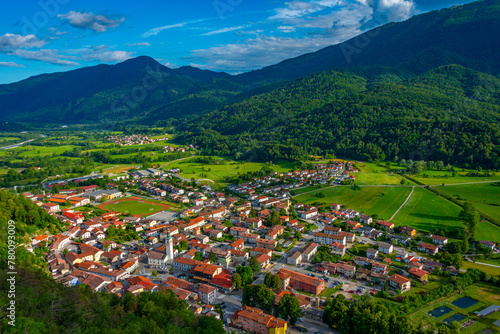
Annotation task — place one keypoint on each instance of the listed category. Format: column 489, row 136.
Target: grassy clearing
column 329, row 291
column 494, row 271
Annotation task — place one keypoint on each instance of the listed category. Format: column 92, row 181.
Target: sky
column 234, row 36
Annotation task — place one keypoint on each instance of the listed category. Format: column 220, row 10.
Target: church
column 163, row 254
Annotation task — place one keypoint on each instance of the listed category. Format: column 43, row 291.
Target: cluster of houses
column 134, row 140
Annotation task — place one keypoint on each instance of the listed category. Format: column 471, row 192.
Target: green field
column 218, row 172
column 426, row 211
column 446, row 177
column 134, row 207
column 485, row 196
column 383, row 201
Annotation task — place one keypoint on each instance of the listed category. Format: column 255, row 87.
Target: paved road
column 15, row 145
column 402, row 205
column 192, row 156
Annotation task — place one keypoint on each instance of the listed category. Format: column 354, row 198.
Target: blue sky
column 223, row 35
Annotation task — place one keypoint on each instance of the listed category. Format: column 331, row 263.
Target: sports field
column 484, row 295
column 135, row 206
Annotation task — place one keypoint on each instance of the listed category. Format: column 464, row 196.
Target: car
column 301, row 329
column 351, row 291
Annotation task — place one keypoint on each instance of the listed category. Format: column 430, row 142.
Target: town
column 221, row 245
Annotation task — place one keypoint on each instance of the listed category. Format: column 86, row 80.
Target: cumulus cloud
column 10, row 64
column 89, row 20
column 100, row 53
column 315, row 24
column 10, row 42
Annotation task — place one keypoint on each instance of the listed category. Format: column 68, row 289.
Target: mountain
column 94, row 93
column 449, row 114
column 128, row 92
column 465, row 35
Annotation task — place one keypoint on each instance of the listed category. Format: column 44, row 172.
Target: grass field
column 136, row 207
column 494, row 271
column 426, row 211
column 485, row 196
column 218, row 172
column 383, row 201
column 446, row 177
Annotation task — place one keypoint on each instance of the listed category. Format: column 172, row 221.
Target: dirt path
column 402, row 205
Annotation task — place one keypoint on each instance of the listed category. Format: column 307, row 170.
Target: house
column 332, row 230
column 488, row 244
column 51, row 207
column 238, row 244
column 349, row 237
column 380, row 268
column 214, row 234
column 431, row 265
column 263, row 260
column 427, row 248
column 419, row 274
column 385, row 248
column 205, row 272
column 184, row 264
column 346, row 270
column 38, row 239
column 388, row 226
column 309, row 214
column 439, row 240
column 409, row 231
column 294, row 259
column 207, row 294
column 256, row 321
column 398, row 282
column 309, row 251
column 264, row 243
column 367, row 220
column 338, row 249
column 300, row 281
column 371, row 253
column 325, row 238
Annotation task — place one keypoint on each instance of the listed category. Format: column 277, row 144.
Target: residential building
column 300, row 281
column 385, row 248
column 207, row 294
column 427, row 248
column 256, row 321
column 398, row 282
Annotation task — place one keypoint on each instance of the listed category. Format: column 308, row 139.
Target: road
column 402, row 205
column 192, row 156
column 15, row 145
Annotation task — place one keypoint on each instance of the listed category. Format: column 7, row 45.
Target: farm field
column 426, row 211
column 381, row 201
column 134, row 206
column 219, row 172
column 379, row 178
column 446, row 177
column 485, row 196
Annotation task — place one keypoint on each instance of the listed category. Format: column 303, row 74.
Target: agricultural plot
column 439, row 177
column 485, row 196
column 426, row 211
column 382, row 201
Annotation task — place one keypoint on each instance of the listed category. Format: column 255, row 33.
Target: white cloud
column 10, row 64
column 223, row 30
column 10, row 42
column 156, row 31
column 48, row 56
column 139, row 44
column 100, row 53
column 298, row 8
column 286, row 28
column 256, row 53
column 84, row 20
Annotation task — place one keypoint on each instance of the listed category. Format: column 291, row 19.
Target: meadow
column 381, row 201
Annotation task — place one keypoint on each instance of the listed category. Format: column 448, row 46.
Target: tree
column 211, row 257
column 154, row 273
column 289, row 308
column 276, row 282
column 298, row 235
column 199, row 256
column 68, row 202
column 457, row 260
column 268, row 280
column 255, row 265
column 278, row 248
column 237, row 281
column 470, row 218
column 439, row 165
column 183, row 245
